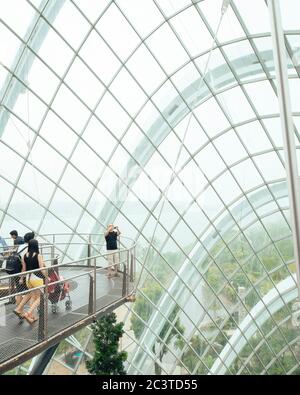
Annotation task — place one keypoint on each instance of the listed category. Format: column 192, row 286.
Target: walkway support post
column 289, row 146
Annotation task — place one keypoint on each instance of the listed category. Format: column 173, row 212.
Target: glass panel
column 117, row 32
column 167, row 49
column 212, row 125
column 84, row 83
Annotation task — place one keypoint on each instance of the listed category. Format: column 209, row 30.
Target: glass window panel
column 236, row 113
column 10, row 163
column 217, row 72
column 119, row 161
column 23, row 207
column 51, row 44
column 93, row 8
column 273, row 126
column 112, row 115
column 210, row 162
column 27, row 106
column 57, row 133
column 276, row 226
column 170, row 7
column 194, row 134
column 98, row 137
column 243, row 60
column 246, row 175
column 83, row 82
column 134, row 211
column 263, row 97
column 17, row 135
column 227, row 187
column 254, row 137
column 210, row 202
column 196, row 219
column 179, row 196
column 71, row 24
column 144, row 16
column 46, row 159
column 152, row 123
column 289, row 10
column 86, row 224
column 9, row 45
column 225, row 143
column 40, row 188
column 76, row 185
column 158, row 170
column 270, row 166
column 294, row 94
column 167, row 49
column 70, row 108
column 107, row 184
column 257, row 236
column 40, row 79
column 171, row 155
column 168, row 216
column 5, row 191
column 188, row 82
column 258, row 21
column 65, row 208
column 117, row 32
column 193, row 179
column 145, row 189
column 142, row 64
column 133, row 139
column 230, row 27
column 19, row 15
column 87, row 161
column 189, row 26
column 211, row 124
column 51, row 224
column 93, row 51
column 127, row 92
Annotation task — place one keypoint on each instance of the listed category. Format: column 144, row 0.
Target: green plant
column 107, row 358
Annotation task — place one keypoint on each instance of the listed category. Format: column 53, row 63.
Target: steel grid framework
column 140, row 159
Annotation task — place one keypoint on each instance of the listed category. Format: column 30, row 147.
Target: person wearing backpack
column 16, row 238
column 14, row 266
column 32, row 260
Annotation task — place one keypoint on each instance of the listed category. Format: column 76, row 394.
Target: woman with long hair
column 32, row 260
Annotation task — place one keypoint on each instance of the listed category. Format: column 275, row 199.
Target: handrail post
column 124, row 281
column 43, row 314
column 89, row 251
column 94, row 289
column 91, row 295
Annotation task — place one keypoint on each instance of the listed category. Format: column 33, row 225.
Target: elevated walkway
column 91, row 293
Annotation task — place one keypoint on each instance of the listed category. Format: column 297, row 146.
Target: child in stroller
column 58, row 292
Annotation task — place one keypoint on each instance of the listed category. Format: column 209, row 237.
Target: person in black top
column 32, row 260
column 111, row 237
column 16, row 238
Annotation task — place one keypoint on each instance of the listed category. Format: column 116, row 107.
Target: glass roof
column 100, row 100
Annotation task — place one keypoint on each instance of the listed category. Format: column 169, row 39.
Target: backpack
column 14, row 263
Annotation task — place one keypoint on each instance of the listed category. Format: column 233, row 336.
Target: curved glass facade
column 137, row 113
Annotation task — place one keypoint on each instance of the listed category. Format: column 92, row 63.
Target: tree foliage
column 107, row 360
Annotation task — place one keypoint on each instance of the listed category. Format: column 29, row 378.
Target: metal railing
column 69, row 296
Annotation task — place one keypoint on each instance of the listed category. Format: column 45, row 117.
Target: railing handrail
column 101, row 255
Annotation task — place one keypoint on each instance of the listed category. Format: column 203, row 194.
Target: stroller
column 58, row 292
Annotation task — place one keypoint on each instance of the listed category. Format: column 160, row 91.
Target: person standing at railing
column 16, row 238
column 111, row 237
column 32, row 260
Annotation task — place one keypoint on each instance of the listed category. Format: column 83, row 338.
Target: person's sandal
column 18, row 314
column 28, row 318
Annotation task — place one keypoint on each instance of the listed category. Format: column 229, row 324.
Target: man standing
column 17, row 239
column 111, row 237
